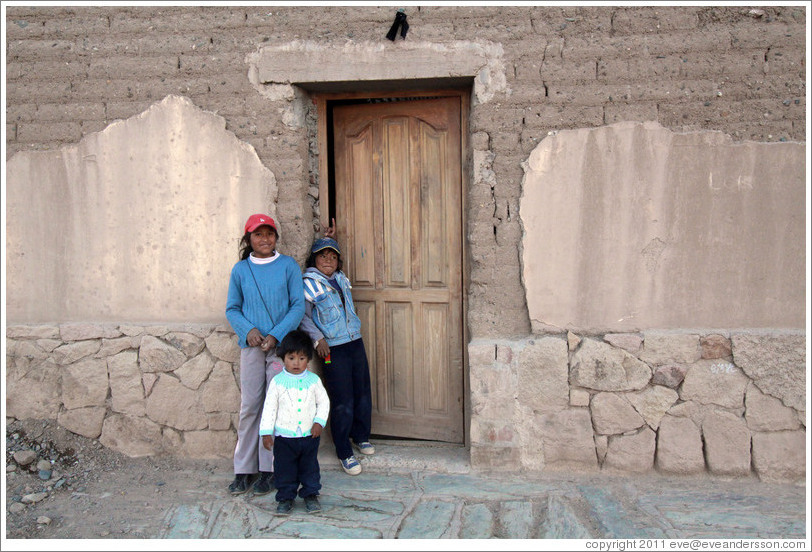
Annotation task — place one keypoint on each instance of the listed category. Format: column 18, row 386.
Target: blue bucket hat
column 325, row 243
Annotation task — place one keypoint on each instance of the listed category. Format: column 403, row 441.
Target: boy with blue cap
column 331, row 321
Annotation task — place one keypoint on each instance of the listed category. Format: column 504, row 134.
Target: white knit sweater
column 293, row 404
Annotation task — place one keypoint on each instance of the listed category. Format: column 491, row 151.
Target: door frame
column 322, row 101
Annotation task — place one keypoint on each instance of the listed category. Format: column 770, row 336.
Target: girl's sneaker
column 240, row 483
column 264, row 484
column 351, row 465
column 365, row 447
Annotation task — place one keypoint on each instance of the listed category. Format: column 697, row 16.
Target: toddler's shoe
column 312, row 504
column 284, row 507
column 240, row 484
column 365, row 447
column 264, row 484
column 351, row 465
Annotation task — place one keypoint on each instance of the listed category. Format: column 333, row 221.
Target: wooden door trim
column 324, row 163
column 321, row 100
column 466, row 160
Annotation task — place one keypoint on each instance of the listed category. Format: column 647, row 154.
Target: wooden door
column 399, row 213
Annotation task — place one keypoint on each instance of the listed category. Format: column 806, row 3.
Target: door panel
column 398, row 387
column 369, row 332
column 399, row 213
column 435, row 321
column 397, row 204
column 361, row 159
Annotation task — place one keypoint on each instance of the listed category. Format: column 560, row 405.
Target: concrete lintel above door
column 319, row 66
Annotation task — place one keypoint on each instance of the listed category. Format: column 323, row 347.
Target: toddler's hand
column 316, row 430
column 267, row 441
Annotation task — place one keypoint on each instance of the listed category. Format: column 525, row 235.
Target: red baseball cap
column 255, row 221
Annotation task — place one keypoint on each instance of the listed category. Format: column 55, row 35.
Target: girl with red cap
column 265, row 302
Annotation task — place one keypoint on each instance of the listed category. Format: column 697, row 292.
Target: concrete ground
column 423, row 491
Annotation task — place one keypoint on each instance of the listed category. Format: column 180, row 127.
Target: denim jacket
column 324, row 312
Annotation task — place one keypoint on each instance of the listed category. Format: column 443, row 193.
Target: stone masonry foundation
column 140, row 390
column 672, row 402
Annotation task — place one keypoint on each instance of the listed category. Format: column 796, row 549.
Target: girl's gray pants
column 257, row 369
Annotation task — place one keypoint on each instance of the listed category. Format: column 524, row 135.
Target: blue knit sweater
column 281, row 284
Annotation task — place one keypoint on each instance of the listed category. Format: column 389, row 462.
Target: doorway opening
column 391, row 172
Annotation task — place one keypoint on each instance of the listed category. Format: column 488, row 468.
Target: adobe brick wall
column 739, row 70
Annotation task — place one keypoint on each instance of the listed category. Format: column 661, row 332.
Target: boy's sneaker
column 240, row 484
column 284, row 507
column 365, row 447
column 351, row 465
column 264, row 484
column 312, row 504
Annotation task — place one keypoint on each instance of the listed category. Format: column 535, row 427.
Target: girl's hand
column 268, row 343
column 267, row 441
column 254, row 338
column 330, row 231
column 322, row 348
column 315, row 431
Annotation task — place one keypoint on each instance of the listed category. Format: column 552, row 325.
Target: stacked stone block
column 140, row 390
column 672, row 402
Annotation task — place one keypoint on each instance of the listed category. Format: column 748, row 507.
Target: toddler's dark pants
column 296, row 462
column 348, row 385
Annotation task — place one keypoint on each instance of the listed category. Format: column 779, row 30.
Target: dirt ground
column 92, row 492
column 60, row 485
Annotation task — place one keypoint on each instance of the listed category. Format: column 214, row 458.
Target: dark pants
column 347, row 381
column 296, row 462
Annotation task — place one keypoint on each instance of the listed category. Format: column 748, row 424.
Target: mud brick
column 617, row 112
column 39, row 49
column 21, row 112
column 42, row 132
column 176, row 19
column 653, row 20
column 209, row 63
column 48, row 70
column 25, row 91
column 71, row 111
column 56, row 23
column 717, row 65
column 123, row 110
column 750, row 33
column 639, row 69
column 569, row 71
column 134, row 67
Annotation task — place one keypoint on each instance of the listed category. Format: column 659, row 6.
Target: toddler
column 294, row 415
